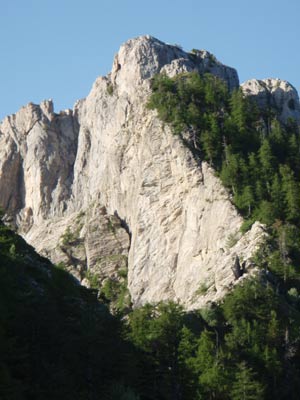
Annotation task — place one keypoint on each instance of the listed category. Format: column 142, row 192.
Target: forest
column 59, row 340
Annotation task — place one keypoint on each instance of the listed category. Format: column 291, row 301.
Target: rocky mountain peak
column 166, row 212
column 140, row 58
column 275, row 93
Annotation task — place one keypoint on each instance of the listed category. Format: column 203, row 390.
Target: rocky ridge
column 107, row 180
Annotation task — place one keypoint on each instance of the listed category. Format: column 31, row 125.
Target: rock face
column 86, row 185
column 89, row 237
column 38, row 151
column 139, row 59
column 277, row 94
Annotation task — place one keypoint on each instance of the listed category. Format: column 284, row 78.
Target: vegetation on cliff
column 256, row 157
column 59, row 341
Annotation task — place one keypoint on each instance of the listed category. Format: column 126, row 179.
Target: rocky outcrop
column 57, row 172
column 89, row 243
column 38, row 151
column 141, row 58
column 275, row 94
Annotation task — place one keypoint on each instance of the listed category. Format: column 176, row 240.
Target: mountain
column 111, row 175
column 171, row 189
column 108, row 182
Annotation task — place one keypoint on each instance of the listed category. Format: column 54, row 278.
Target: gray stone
column 275, row 93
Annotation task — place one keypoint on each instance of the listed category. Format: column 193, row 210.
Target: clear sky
column 56, row 48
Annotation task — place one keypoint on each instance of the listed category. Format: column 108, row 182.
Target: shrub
column 110, row 89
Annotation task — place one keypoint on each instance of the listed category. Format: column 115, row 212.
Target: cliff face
column 108, row 181
column 277, row 94
column 38, row 151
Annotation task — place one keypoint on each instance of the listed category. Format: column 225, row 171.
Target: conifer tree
column 290, row 189
column 246, row 200
column 238, row 110
column 278, row 140
column 294, row 153
column 245, row 385
column 267, row 161
column 277, row 196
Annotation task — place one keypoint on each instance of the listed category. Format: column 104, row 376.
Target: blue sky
column 56, row 48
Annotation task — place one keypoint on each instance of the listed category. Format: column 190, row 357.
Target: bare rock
column 88, row 243
column 277, row 94
column 37, row 153
column 141, row 58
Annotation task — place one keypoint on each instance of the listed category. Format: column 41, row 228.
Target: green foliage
column 210, row 367
column 68, row 237
column 190, row 103
column 239, row 304
column 256, row 157
column 246, row 225
column 71, row 236
column 93, row 279
column 203, row 288
column 56, row 340
column 115, row 292
column 62, row 266
column 110, row 89
column 167, row 346
column 245, row 387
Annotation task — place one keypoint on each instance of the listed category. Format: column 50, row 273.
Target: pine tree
column 277, row 196
column 211, row 140
column 209, row 366
column 291, row 192
column 278, row 141
column 260, row 189
column 267, row 161
column 294, row 153
column 245, row 201
column 230, row 170
column 245, row 386
column 238, row 105
column 188, row 378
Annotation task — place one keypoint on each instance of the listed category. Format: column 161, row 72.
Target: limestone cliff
column 277, row 94
column 108, row 180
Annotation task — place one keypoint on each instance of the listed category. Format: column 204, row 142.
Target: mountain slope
column 57, row 340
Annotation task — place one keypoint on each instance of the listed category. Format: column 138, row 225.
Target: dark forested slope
column 56, row 340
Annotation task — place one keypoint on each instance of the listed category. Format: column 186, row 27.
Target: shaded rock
column 277, row 94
